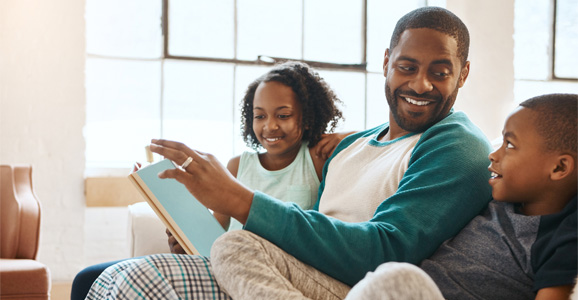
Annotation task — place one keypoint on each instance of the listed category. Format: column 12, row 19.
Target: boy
column 524, row 245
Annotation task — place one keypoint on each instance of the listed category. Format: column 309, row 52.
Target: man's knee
column 231, row 244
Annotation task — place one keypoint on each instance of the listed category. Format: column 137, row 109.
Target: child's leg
column 85, row 278
column 396, row 281
column 250, row 267
column 160, row 276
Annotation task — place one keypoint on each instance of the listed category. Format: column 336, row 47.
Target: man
column 391, row 193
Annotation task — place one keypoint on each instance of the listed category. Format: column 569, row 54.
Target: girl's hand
column 207, row 179
column 136, row 167
column 174, row 245
column 328, row 142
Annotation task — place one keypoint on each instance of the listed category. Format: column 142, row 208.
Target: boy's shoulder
column 555, row 251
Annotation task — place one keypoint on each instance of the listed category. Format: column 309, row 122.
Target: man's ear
column 464, row 74
column 565, row 166
column 385, row 62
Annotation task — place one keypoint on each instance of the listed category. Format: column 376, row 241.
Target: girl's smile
column 277, row 123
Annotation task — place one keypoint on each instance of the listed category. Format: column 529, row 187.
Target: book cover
column 190, row 222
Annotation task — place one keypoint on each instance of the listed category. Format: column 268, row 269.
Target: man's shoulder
column 456, row 139
column 456, row 123
column 456, row 129
column 361, row 134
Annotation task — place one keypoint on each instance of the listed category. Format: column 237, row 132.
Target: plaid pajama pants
column 160, row 276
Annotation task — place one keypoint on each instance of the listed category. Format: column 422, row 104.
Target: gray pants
column 250, row 267
column 395, row 280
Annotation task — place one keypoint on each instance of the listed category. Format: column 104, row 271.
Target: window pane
column 123, row 110
column 269, row 27
column 381, row 19
column 566, row 64
column 202, row 28
column 333, row 33
column 197, row 106
column 129, row 28
column 531, row 39
column 524, row 90
column 439, row 3
column 244, row 75
column 350, row 88
column 377, row 108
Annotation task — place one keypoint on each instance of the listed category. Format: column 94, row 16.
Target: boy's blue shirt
column 444, row 187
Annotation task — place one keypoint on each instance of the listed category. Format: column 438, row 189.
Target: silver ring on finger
column 187, row 162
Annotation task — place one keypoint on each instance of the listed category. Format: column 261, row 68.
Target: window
column 565, row 39
column 545, row 36
column 177, row 69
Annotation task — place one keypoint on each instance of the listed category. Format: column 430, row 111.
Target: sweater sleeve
column 444, row 187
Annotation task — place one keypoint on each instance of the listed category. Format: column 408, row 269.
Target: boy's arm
column 555, row 293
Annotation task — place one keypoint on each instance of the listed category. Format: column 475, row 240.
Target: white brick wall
column 105, row 234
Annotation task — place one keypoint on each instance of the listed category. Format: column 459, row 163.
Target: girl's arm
column 561, row 292
column 233, row 167
column 324, row 149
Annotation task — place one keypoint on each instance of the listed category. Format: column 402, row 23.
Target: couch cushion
column 24, row 279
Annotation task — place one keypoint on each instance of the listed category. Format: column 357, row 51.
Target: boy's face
column 521, row 166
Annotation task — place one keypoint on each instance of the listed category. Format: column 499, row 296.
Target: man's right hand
column 174, row 245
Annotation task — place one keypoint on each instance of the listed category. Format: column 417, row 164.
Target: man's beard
column 439, row 112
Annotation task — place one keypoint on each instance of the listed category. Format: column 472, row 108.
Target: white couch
column 146, row 232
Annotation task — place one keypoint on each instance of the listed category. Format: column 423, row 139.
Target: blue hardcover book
column 192, row 224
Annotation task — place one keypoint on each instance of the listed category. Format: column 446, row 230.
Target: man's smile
column 416, row 102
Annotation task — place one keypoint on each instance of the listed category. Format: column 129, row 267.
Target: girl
column 286, row 113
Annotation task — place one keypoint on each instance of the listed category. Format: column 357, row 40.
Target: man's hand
column 207, row 179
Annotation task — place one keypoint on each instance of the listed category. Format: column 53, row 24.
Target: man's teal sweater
column 444, row 187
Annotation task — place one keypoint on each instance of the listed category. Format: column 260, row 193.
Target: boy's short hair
column 319, row 103
column 435, row 18
column 556, row 120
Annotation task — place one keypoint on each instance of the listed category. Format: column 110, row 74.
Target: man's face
column 423, row 74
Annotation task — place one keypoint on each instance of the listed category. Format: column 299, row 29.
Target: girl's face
column 277, row 118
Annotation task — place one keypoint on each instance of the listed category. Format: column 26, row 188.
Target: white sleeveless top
column 298, row 182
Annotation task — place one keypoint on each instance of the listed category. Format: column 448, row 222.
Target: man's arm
column 444, row 187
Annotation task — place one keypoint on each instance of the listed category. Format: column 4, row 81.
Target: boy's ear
column 565, row 166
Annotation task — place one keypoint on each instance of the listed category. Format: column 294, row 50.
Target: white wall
column 42, row 114
column 488, row 95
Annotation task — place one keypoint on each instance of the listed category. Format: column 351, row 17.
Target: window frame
column 263, row 60
column 552, row 60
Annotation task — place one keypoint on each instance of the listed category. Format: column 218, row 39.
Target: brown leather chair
column 21, row 275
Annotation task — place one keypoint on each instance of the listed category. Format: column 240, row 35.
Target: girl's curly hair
column 320, row 113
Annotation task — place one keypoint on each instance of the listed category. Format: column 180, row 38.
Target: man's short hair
column 435, row 18
column 556, row 120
